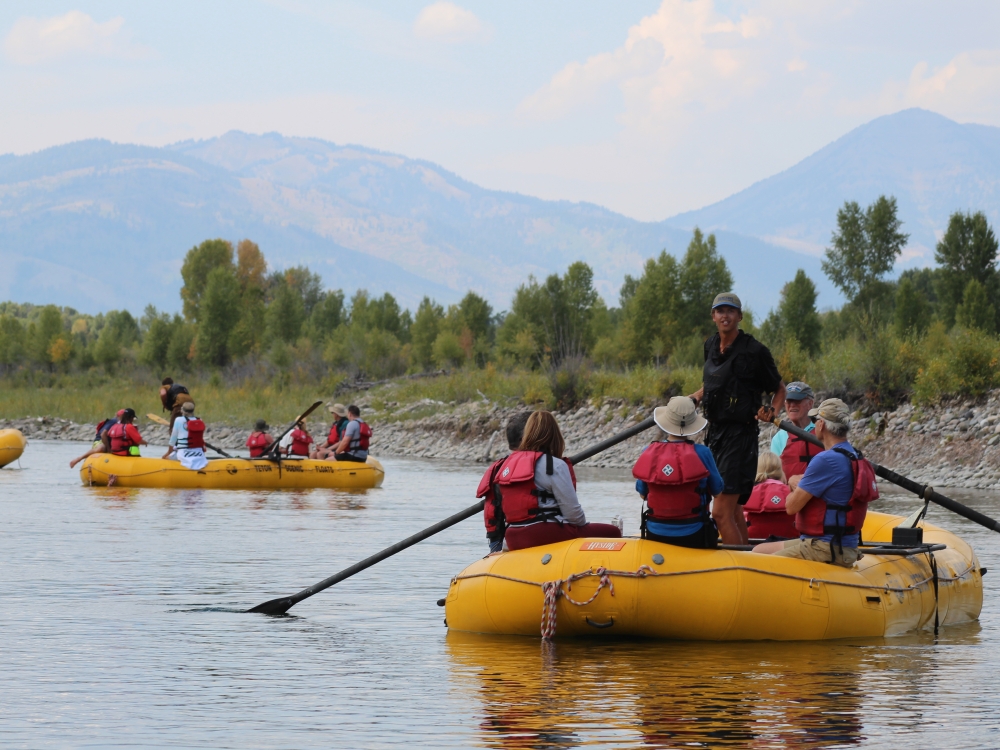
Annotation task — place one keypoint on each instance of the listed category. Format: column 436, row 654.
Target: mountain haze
column 98, row 225
column 934, row 166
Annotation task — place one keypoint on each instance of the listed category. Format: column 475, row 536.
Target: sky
column 648, row 108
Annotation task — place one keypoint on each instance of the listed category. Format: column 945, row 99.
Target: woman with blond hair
column 765, row 511
column 537, row 488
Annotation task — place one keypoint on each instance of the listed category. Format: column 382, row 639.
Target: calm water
column 114, row 630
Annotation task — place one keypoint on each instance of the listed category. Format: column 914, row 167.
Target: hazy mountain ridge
column 933, row 165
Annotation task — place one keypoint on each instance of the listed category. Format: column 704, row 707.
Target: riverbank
column 955, row 444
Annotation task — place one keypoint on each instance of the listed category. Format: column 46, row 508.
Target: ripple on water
column 123, row 622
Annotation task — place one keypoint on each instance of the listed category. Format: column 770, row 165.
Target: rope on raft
column 553, row 590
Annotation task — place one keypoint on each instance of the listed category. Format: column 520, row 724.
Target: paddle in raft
column 271, row 451
column 920, row 490
column 160, row 420
column 277, row 607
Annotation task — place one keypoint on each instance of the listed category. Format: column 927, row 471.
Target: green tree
column 913, row 311
column 976, row 312
column 966, row 252
column 182, row 344
column 107, row 349
column 198, row 264
column 285, row 315
column 796, row 318
column 703, row 274
column 327, row 314
column 156, row 343
column 448, row 351
column 12, row 341
column 49, row 326
column 219, row 312
column 424, row 331
column 865, row 245
column 652, row 311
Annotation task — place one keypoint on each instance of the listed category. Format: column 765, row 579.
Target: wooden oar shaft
column 280, row 606
column 921, row 490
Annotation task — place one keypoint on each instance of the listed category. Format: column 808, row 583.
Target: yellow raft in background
column 12, row 445
column 104, row 469
column 636, row 587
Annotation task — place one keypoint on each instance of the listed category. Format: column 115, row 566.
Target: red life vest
column 121, row 441
column 300, row 442
column 519, row 496
column 196, row 432
column 492, row 510
column 797, row 455
column 819, row 518
column 765, row 511
column 673, row 472
column 336, row 433
column 364, row 437
column 257, row 442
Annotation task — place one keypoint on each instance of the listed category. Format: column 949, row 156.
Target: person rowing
column 738, row 371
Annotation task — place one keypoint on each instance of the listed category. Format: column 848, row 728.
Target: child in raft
column 677, row 479
column 765, row 511
column 538, row 490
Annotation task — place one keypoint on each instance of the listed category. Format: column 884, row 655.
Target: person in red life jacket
column 677, row 479
column 357, row 437
column 102, row 443
column 124, row 438
column 831, row 500
column 187, row 439
column 738, row 372
column 795, row 452
column 259, row 439
column 173, row 396
column 299, row 441
column 493, row 516
column 333, row 439
column 537, row 489
column 765, row 510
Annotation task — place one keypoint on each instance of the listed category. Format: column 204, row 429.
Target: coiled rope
column 553, row 590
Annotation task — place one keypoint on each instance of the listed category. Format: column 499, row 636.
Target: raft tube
column 641, row 588
column 103, row 469
column 12, row 445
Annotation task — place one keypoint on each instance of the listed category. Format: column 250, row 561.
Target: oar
column 920, row 490
column 280, row 606
column 274, row 446
column 160, row 420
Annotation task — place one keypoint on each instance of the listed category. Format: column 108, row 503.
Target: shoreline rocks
column 955, row 444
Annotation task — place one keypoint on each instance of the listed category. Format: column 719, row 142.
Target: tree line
column 919, row 333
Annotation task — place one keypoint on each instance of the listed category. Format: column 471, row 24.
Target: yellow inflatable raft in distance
column 12, row 445
column 636, row 587
column 103, row 469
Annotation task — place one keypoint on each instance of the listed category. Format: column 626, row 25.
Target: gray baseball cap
column 798, row 391
column 727, row 298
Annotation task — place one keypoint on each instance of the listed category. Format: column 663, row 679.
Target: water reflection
column 667, row 695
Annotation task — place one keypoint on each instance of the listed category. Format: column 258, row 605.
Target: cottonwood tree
column 865, row 246
column 796, row 317
column 966, row 252
column 199, row 262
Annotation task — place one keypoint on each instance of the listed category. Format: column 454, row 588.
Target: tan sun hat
column 679, row 417
column 833, row 411
column 339, row 409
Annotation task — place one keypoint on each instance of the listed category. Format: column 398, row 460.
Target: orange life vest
column 797, row 455
column 673, row 472
column 515, row 481
column 765, row 511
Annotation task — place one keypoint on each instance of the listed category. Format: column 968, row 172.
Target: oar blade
column 274, row 608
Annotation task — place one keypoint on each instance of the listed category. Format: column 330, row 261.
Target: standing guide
column 173, row 396
column 738, row 371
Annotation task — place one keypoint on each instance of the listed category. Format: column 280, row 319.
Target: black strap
column 548, row 464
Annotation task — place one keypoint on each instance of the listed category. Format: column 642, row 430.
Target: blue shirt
column 780, row 439
column 711, row 485
column 829, row 477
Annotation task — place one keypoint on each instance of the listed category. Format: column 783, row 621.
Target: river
column 118, row 627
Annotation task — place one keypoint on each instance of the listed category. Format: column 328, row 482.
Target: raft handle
column 873, row 599
column 983, row 571
column 440, row 602
column 600, row 625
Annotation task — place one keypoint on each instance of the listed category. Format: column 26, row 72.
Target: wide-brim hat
column 261, row 424
column 679, row 417
column 339, row 409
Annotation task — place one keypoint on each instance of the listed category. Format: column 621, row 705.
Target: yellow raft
column 636, row 587
column 12, row 445
column 104, row 469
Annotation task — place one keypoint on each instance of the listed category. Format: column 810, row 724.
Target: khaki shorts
column 819, row 551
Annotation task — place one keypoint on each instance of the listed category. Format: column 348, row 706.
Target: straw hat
column 679, row 417
column 339, row 409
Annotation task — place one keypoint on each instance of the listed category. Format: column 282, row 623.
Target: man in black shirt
column 738, row 371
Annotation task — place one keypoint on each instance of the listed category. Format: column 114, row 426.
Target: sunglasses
column 814, row 420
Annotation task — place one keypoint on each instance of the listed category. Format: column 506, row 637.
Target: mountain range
column 98, row 225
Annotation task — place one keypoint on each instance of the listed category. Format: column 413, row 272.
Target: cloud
column 37, row 40
column 447, row 22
